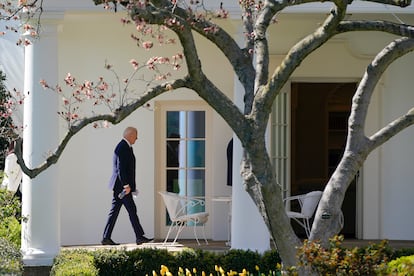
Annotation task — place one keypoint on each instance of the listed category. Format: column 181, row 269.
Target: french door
column 181, row 156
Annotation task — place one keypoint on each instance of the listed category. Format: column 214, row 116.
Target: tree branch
column 120, row 114
column 392, row 129
column 240, row 59
column 398, row 3
column 266, row 96
column 197, row 81
column 361, row 99
column 382, row 26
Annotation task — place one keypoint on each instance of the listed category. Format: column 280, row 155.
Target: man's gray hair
column 129, row 130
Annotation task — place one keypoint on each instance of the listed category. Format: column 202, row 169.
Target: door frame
column 287, row 186
column 161, row 107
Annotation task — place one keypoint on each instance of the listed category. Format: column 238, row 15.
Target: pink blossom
column 125, row 20
column 27, row 27
column 88, row 84
column 44, row 84
column 177, row 57
column 103, row 86
column 134, row 64
column 65, row 101
column 147, row 45
column 27, row 42
column 69, row 80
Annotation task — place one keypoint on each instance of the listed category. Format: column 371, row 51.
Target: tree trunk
column 329, row 219
column 261, row 184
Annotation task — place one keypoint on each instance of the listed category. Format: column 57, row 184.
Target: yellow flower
column 164, row 270
column 154, row 273
column 216, row 268
column 257, row 268
column 194, row 270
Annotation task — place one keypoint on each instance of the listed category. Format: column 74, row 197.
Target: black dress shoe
column 143, row 239
column 107, row 241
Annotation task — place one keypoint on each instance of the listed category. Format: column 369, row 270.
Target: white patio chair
column 308, row 203
column 180, row 209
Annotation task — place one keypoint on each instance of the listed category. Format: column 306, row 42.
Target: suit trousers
column 131, row 208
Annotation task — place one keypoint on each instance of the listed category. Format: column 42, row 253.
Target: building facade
column 68, row 204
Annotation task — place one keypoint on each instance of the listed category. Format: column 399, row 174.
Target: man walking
column 123, row 185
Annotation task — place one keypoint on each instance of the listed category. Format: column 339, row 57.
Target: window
column 280, row 140
column 185, row 143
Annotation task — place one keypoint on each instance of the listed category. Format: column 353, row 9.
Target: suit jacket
column 123, row 167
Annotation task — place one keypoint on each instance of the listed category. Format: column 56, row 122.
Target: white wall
column 398, row 155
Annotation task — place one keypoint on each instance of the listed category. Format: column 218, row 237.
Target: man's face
column 133, row 137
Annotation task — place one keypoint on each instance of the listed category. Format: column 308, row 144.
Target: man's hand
column 127, row 189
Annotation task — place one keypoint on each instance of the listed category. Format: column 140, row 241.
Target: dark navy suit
column 123, row 174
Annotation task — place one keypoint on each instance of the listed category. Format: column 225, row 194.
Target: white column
column 248, row 230
column 41, row 231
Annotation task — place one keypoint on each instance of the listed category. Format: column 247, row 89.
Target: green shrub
column 10, row 259
column 112, row 262
column 195, row 259
column 10, row 227
column 10, row 230
column 403, row 266
column 145, row 260
column 397, row 253
column 270, row 261
column 237, row 259
column 72, row 263
column 337, row 260
column 9, row 205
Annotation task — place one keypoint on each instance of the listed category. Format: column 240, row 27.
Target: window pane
column 196, row 188
column 196, row 154
column 172, row 181
column 195, row 183
column 173, row 151
column 182, row 154
column 176, row 124
column 196, row 124
column 173, row 124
